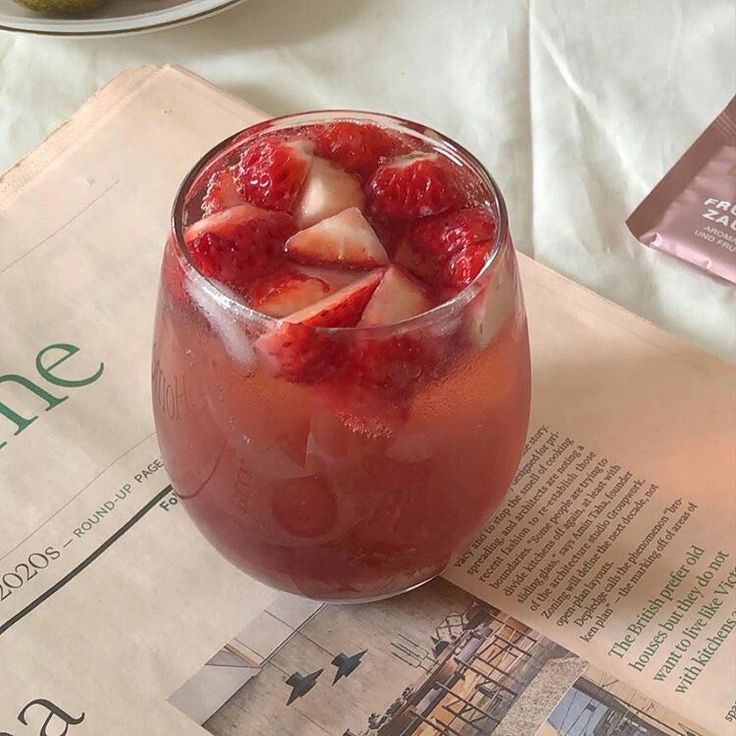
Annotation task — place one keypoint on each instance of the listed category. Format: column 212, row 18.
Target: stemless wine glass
column 314, row 487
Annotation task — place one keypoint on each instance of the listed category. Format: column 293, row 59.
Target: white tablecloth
column 578, row 108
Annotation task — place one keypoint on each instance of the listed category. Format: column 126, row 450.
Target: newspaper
column 612, row 560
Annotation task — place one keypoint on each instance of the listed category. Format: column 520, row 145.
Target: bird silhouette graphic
column 301, row 684
column 346, row 664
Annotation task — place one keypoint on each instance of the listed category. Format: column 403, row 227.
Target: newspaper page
column 111, row 603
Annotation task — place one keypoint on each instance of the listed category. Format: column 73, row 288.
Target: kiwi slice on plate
column 60, row 6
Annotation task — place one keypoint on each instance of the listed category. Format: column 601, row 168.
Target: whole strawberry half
column 357, row 147
column 271, row 172
column 450, row 249
column 415, row 185
column 444, row 235
column 238, row 245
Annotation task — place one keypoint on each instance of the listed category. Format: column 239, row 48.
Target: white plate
column 114, row 17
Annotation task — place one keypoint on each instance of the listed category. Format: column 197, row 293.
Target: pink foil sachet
column 691, row 213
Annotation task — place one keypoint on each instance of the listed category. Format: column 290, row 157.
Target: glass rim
column 231, row 300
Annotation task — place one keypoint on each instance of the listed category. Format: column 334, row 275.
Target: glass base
column 370, row 599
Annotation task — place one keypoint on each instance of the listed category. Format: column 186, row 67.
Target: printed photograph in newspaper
column 437, row 661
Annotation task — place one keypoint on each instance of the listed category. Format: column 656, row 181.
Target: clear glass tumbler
column 317, row 488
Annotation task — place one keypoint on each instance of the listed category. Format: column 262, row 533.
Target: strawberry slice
column 327, row 191
column 286, row 292
column 335, row 279
column 226, row 223
column 375, row 390
column 361, row 410
column 297, row 352
column 239, row 244
column 383, row 374
column 345, row 239
column 374, row 393
column 392, row 367
column 415, row 185
column 397, row 297
column 271, row 172
column 357, row 147
column 343, row 308
column 222, row 192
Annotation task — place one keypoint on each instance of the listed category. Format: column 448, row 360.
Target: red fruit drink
column 341, row 363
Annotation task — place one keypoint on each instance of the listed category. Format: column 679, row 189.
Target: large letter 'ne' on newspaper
column 616, row 543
